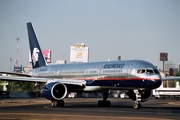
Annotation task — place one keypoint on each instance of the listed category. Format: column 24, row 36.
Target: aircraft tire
column 137, row 106
column 102, row 103
column 108, row 103
column 60, row 103
column 54, row 103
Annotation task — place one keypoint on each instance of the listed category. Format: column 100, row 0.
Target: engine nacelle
column 54, row 91
column 145, row 95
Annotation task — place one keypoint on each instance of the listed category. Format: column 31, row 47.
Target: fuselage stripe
column 118, row 79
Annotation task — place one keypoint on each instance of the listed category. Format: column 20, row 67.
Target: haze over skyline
column 132, row 29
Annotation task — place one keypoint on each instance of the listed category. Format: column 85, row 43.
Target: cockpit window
column 145, row 70
column 150, row 71
column 156, row 71
column 139, row 71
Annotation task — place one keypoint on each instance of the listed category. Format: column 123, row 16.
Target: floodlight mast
column 17, row 39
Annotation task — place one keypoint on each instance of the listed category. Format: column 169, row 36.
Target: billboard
column 163, row 56
column 46, row 54
column 18, row 68
column 79, row 53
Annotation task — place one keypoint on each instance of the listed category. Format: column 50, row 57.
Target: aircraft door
column 129, row 72
column 93, row 72
column 99, row 72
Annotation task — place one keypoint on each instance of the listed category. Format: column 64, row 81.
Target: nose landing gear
column 137, row 104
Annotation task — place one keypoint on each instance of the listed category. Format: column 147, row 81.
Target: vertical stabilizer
column 37, row 57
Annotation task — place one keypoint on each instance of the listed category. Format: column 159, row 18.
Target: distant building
column 79, row 53
column 60, row 61
column 26, row 69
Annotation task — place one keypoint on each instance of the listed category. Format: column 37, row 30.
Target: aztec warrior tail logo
column 35, row 55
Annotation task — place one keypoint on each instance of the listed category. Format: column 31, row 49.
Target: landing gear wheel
column 54, row 103
column 108, row 103
column 59, row 103
column 102, row 103
column 137, row 106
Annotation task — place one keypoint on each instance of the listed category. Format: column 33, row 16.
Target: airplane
column 137, row 77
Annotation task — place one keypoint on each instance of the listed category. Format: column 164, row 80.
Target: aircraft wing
column 15, row 74
column 22, row 79
column 170, row 78
column 43, row 80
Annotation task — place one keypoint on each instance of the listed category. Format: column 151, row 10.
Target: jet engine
column 145, row 95
column 54, row 91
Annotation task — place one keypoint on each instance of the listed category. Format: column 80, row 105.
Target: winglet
column 37, row 57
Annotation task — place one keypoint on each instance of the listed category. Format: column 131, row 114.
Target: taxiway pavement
column 87, row 109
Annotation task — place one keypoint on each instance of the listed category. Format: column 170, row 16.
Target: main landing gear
column 104, row 102
column 57, row 103
column 137, row 104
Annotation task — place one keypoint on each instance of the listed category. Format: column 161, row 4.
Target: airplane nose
column 154, row 83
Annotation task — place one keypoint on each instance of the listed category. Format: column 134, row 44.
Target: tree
column 21, row 86
column 177, row 73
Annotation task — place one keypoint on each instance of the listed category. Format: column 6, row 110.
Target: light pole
column 10, row 63
column 17, row 39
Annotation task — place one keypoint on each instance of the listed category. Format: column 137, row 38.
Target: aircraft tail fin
column 37, row 57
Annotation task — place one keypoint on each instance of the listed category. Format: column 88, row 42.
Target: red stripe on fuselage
column 118, row 79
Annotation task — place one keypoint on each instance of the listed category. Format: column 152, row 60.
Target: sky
column 132, row 29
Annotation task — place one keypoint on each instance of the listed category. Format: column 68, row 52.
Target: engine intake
column 54, row 91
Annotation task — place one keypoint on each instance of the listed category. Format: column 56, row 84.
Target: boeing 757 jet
column 136, row 77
